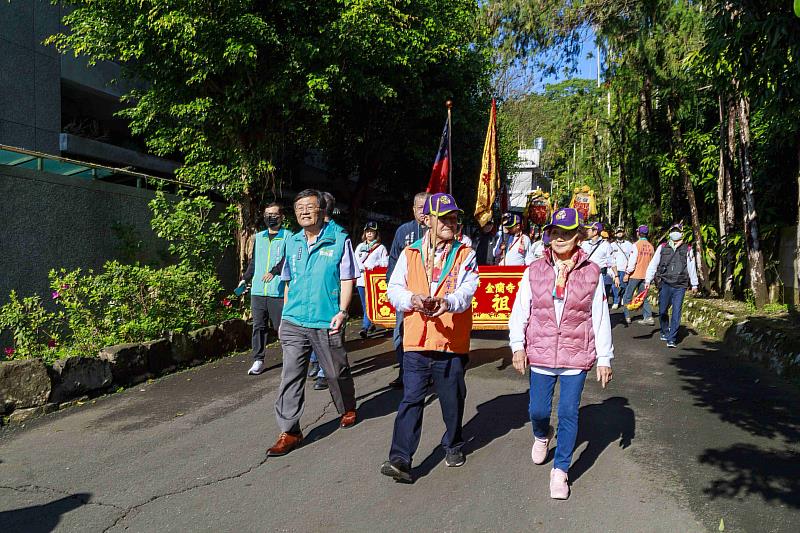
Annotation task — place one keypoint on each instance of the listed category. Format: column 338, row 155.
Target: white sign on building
column 527, row 177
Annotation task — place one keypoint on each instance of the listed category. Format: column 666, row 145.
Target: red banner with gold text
column 491, row 306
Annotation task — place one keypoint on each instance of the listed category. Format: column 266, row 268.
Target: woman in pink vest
column 559, row 327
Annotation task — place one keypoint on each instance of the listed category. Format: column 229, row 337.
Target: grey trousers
column 298, row 343
column 264, row 308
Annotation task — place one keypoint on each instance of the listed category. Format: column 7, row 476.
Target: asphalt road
column 681, row 440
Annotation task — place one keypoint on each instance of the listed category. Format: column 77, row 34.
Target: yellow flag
column 490, row 176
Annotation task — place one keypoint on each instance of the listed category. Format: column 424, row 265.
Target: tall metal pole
column 449, row 105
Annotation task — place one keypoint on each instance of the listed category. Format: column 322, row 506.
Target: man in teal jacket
column 319, row 271
column 264, row 274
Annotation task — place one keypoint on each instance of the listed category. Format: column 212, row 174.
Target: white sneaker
column 541, row 447
column 257, row 368
column 559, row 488
column 615, row 306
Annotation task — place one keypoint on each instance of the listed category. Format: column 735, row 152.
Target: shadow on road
column 749, row 470
column 373, row 363
column 600, row 425
column 41, row 518
column 383, row 402
column 494, row 419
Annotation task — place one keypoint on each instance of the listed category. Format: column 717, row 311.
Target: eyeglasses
column 305, row 209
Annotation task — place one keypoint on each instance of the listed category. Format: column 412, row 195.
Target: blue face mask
column 675, row 235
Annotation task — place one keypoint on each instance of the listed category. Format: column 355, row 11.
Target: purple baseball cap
column 440, row 204
column 565, row 218
column 643, row 230
column 510, row 220
column 597, row 226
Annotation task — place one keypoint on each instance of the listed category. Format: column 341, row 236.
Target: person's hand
column 442, row 306
column 604, row 375
column 268, row 277
column 694, row 291
column 626, row 278
column 336, row 323
column 520, row 361
column 616, row 281
column 646, row 286
column 418, row 303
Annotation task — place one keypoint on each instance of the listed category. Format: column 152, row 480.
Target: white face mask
column 675, row 235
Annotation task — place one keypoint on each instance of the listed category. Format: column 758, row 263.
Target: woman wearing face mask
column 674, row 262
column 263, row 271
column 369, row 254
column 559, row 327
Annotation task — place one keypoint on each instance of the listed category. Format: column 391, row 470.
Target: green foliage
column 34, row 330
column 118, row 304
column 198, row 235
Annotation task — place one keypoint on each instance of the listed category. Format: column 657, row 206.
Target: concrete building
column 527, row 178
column 55, row 104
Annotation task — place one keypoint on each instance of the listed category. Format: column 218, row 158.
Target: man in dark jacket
column 406, row 235
column 484, row 242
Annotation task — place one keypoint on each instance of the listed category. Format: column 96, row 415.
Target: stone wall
column 28, row 388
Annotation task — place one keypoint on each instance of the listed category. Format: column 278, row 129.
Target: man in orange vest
column 433, row 283
column 635, row 273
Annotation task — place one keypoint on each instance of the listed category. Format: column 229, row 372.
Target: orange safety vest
column 447, row 333
column 645, row 252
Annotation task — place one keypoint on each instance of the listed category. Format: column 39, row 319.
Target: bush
column 121, row 303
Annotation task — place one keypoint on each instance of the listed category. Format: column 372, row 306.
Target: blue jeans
column 669, row 295
column 619, row 291
column 315, row 359
column 633, row 284
column 365, row 323
column 541, row 405
column 447, row 371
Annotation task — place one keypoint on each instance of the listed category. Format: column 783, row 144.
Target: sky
column 587, row 67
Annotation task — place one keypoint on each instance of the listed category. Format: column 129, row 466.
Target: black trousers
column 264, row 309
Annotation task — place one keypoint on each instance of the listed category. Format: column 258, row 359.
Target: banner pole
column 449, row 105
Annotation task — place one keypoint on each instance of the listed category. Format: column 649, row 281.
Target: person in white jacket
column 370, row 253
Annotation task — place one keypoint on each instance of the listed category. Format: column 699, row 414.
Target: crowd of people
column 559, row 327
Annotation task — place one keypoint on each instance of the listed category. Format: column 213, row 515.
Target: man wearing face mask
column 263, row 272
column 674, row 262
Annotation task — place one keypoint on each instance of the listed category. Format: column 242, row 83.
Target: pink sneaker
column 559, row 489
column 541, row 447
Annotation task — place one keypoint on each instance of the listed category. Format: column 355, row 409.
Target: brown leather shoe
column 286, row 443
column 348, row 419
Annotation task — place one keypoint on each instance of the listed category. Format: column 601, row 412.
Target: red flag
column 441, row 165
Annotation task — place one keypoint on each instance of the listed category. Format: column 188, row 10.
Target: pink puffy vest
column 570, row 344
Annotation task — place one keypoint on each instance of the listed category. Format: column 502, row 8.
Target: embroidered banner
column 491, row 306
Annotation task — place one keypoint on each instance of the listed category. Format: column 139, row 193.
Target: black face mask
column 272, row 221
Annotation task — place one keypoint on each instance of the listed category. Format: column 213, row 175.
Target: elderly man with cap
column 512, row 248
column 675, row 265
column 635, row 272
column 433, row 283
column 621, row 250
column 598, row 251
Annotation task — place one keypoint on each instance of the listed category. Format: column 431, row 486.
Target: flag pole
column 449, row 104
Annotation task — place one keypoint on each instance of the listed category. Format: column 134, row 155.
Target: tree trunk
column 247, row 214
column 797, row 242
column 755, row 257
column 645, row 124
column 727, row 140
column 683, row 164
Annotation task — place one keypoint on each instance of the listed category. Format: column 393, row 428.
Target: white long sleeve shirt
column 601, row 324
column 536, row 251
column 516, row 251
column 621, row 252
column 367, row 261
column 458, row 301
column 601, row 256
column 691, row 267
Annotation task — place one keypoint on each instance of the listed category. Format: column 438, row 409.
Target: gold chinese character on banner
column 500, row 288
column 489, row 288
column 474, row 303
column 510, row 287
column 383, row 298
column 500, row 303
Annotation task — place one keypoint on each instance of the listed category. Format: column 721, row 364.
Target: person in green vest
column 320, row 271
column 266, row 287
